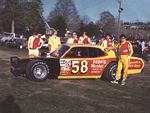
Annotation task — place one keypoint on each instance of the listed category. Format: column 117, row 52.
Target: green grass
column 74, row 96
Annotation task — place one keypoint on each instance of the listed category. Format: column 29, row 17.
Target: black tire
column 109, row 73
column 37, row 70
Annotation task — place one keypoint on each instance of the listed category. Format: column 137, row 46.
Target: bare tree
column 106, row 22
column 66, row 9
column 85, row 19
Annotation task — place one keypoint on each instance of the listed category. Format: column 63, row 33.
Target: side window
column 95, row 52
column 77, row 52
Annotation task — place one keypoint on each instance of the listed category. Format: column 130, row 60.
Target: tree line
column 24, row 14
column 27, row 16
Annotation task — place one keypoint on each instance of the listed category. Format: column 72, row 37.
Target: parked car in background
column 6, row 36
column 17, row 43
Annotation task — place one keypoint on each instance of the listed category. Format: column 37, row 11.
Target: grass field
column 20, row 95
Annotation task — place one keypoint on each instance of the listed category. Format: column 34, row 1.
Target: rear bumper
column 15, row 69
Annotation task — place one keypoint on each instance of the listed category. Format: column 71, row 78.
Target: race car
column 74, row 62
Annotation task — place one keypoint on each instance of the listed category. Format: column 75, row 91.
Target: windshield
column 63, row 49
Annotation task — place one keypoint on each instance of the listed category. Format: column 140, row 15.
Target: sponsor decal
column 99, row 61
column 65, row 63
column 98, row 65
column 65, row 68
column 135, row 64
column 95, row 72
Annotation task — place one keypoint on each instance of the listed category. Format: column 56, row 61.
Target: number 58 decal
column 82, row 67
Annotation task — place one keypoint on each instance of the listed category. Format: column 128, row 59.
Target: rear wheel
column 109, row 73
column 37, row 70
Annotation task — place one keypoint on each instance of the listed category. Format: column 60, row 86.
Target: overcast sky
column 134, row 10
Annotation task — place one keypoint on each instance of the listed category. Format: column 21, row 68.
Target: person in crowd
column 149, row 43
column 54, row 44
column 125, row 51
column 34, row 44
column 106, row 42
column 109, row 41
column 143, row 52
column 69, row 37
column 75, row 38
column 84, row 39
column 142, row 46
column 103, row 42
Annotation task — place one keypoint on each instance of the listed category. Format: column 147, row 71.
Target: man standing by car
column 54, row 44
column 34, row 44
column 125, row 51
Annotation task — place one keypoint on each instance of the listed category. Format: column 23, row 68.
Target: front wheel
column 109, row 73
column 37, row 70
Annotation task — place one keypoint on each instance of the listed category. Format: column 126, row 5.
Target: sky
column 133, row 10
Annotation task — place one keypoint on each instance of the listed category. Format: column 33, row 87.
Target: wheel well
column 108, row 65
column 106, row 75
column 53, row 65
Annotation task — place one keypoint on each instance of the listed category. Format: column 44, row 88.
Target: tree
column 59, row 24
column 66, row 9
column 1, row 19
column 21, row 14
column 33, row 15
column 10, row 13
column 85, row 19
column 82, row 27
column 106, row 22
column 92, row 29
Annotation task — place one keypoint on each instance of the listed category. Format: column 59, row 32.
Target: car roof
column 84, row 45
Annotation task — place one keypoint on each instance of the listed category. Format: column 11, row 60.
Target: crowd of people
column 36, row 41
column 143, row 49
column 124, row 47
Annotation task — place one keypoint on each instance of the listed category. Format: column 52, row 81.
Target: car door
column 81, row 62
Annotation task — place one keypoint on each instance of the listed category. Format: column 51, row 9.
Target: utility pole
column 12, row 26
column 119, row 13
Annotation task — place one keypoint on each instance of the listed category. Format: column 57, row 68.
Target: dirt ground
column 20, row 95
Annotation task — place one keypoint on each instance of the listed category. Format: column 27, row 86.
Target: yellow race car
column 74, row 62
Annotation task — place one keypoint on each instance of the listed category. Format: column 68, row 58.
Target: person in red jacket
column 34, row 44
column 75, row 38
column 84, row 39
column 109, row 41
column 103, row 42
column 125, row 51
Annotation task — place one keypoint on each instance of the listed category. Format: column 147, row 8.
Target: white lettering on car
column 77, row 66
